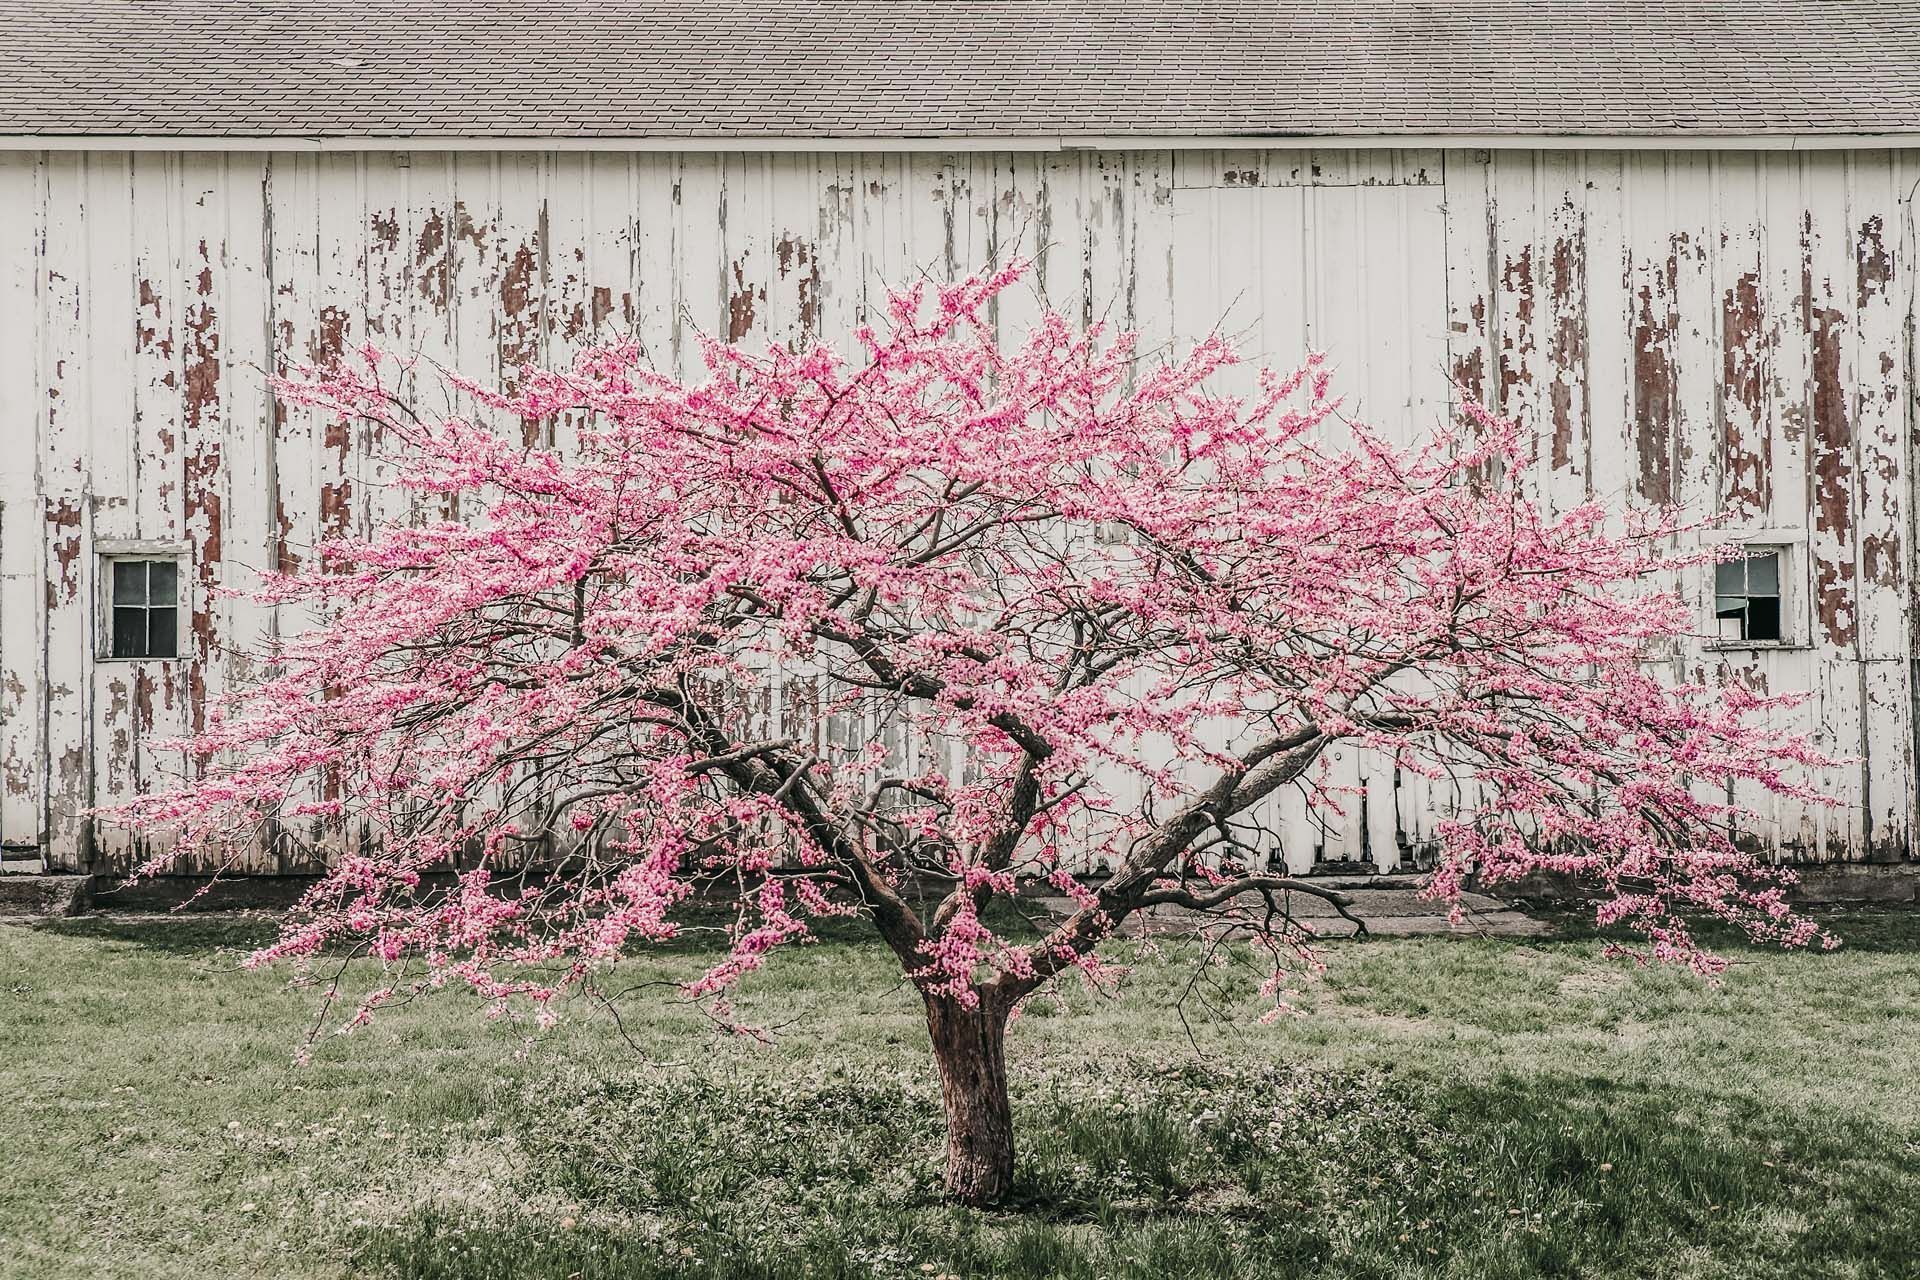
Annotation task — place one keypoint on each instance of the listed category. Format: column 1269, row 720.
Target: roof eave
column 1692, row 140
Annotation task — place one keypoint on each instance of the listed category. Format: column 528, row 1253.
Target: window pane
column 129, row 632
column 1729, row 578
column 129, row 581
column 1730, row 606
column 161, row 585
column 1763, row 574
column 160, row 639
column 1763, row 618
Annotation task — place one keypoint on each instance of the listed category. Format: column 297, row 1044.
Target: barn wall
column 1727, row 331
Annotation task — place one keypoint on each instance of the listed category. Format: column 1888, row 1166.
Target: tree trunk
column 969, row 1047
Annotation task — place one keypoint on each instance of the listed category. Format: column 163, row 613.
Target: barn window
column 145, row 607
column 1747, row 596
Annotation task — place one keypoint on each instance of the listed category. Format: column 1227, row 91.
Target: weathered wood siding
column 1728, row 331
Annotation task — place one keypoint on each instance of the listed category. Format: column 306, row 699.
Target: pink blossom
column 821, row 625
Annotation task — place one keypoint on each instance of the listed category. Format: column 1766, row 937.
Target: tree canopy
column 821, row 627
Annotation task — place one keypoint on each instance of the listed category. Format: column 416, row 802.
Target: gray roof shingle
column 888, row 69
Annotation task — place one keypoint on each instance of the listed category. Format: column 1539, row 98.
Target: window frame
column 1789, row 547
column 111, row 552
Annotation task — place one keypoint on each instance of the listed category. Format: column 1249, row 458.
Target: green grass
column 1444, row 1107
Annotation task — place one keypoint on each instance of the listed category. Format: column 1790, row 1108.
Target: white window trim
column 1796, row 627
column 108, row 552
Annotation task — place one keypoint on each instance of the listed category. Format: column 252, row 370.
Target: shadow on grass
column 174, row 934
column 1884, row 930
column 703, row 929
column 1187, row 1174
column 1879, row 929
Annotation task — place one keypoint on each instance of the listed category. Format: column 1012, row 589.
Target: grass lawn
column 1446, row 1107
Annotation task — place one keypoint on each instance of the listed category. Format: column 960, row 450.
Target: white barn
column 1677, row 240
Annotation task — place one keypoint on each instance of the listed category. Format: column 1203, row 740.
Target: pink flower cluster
column 818, row 629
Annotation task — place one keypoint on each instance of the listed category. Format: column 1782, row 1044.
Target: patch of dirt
column 1592, row 983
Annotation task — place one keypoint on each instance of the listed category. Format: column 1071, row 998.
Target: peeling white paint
column 1726, row 327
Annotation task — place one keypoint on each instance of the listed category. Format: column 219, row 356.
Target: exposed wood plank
column 248, row 528
column 68, row 743
column 23, row 407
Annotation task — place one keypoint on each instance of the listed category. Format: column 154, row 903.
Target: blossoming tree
column 815, row 633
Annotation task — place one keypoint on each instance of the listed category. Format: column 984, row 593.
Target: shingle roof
column 879, row 69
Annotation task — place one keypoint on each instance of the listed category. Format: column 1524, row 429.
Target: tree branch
column 1181, row 897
